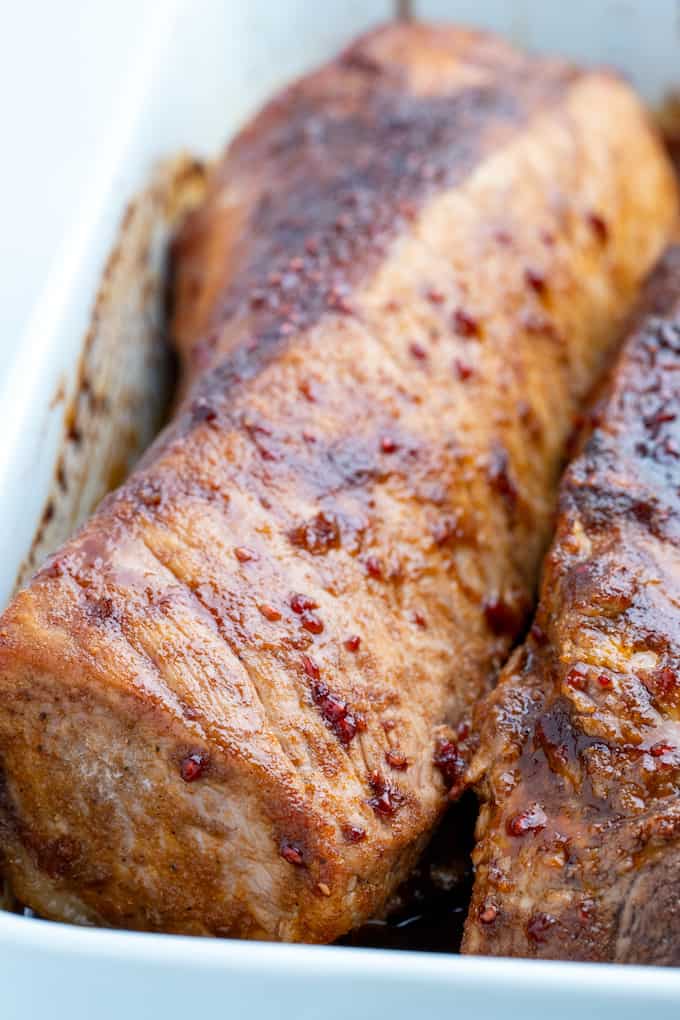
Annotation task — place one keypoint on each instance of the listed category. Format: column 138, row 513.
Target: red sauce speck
column 419, row 619
column 661, row 748
column 435, row 296
column 335, row 713
column 352, row 643
column 374, row 567
column 299, row 603
column 463, row 730
column 192, row 766
column 465, row 324
column 311, row 622
column 243, row 554
column 310, row 667
column 539, row 925
column 418, row 351
column 53, row 569
column 449, row 762
column 319, row 535
column 353, row 833
column 292, row 854
column 658, row 419
column 269, row 612
column 386, row 800
column 501, row 617
column 151, row 496
column 396, row 760
column 604, row 680
column 488, row 913
column 341, row 304
column 387, row 444
column 345, row 729
column 536, row 280
column 599, row 227
column 200, row 411
column 532, row 820
column 333, row 708
column 462, row 369
column 577, row 679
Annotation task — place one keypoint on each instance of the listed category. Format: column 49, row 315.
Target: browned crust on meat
column 402, row 115
column 431, row 227
column 583, row 730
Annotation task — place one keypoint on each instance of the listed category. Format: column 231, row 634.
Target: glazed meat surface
column 235, row 702
column 579, row 765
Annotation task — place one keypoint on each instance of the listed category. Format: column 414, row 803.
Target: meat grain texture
column 235, row 702
column 579, row 764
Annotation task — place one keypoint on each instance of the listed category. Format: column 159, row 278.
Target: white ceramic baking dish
column 96, row 94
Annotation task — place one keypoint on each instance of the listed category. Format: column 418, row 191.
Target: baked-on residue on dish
column 125, row 374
